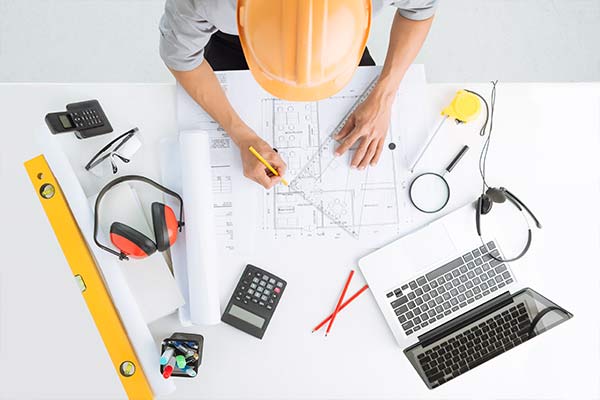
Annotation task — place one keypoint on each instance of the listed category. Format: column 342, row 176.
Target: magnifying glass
column 430, row 192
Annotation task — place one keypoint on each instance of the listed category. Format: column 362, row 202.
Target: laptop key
column 478, row 261
column 443, row 269
column 421, row 281
column 390, row 294
column 407, row 325
column 397, row 303
column 413, row 285
column 401, row 310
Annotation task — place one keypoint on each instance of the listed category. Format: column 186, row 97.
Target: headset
column 131, row 242
column 491, row 195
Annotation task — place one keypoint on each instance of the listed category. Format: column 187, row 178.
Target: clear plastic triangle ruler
column 306, row 182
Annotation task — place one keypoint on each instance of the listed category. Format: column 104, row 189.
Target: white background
column 545, row 149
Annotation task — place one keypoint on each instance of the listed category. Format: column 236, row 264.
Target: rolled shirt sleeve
column 417, row 10
column 184, row 32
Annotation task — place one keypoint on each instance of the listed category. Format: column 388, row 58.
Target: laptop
column 450, row 305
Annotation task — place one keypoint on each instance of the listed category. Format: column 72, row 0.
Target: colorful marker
column 184, row 349
column 190, row 371
column 168, row 370
column 180, row 361
column 168, row 353
column 193, row 358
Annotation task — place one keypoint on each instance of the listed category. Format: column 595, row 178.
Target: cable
column 486, row 144
column 487, row 112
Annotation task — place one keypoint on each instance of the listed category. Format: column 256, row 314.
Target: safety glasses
column 120, row 149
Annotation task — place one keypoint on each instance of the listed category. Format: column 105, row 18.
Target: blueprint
column 372, row 202
column 368, row 202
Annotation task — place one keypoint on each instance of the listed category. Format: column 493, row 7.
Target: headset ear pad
column 131, row 242
column 165, row 225
column 485, row 204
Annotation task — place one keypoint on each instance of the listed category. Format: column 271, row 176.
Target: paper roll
column 200, row 233
column 170, row 172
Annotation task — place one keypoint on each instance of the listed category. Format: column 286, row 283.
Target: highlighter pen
column 190, row 371
column 266, row 164
column 192, row 358
column 168, row 370
column 184, row 349
column 166, row 355
column 180, row 361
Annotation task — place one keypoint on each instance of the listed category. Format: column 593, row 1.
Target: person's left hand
column 368, row 123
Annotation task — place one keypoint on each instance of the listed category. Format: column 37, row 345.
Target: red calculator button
column 277, row 290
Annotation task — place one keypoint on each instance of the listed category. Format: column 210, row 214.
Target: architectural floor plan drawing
column 365, row 202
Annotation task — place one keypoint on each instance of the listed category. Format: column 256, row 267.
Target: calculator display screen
column 64, row 120
column 246, row 316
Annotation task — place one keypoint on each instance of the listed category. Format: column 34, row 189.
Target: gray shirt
column 187, row 25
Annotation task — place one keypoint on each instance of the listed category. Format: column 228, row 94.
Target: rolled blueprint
column 200, row 233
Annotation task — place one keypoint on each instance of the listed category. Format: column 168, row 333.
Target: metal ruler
column 89, row 279
column 304, row 183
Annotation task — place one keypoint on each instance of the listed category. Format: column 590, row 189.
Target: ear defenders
column 500, row 195
column 131, row 242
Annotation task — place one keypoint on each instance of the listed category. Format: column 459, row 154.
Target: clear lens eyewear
column 121, row 149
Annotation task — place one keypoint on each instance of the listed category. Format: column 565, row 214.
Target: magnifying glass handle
column 424, row 149
column 457, row 158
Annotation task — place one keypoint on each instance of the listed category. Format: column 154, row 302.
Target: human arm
column 370, row 121
column 185, row 32
column 203, row 86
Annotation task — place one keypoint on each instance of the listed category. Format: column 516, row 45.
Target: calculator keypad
column 86, row 118
column 259, row 288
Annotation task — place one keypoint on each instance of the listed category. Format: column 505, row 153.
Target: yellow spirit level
column 88, row 279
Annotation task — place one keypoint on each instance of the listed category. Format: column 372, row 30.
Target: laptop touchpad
column 427, row 248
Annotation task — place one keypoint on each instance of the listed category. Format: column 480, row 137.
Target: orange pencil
column 354, row 296
column 339, row 303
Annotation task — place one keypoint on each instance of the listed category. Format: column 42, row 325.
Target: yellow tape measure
column 88, row 279
column 464, row 107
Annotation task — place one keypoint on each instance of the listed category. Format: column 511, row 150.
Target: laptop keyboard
column 449, row 288
column 474, row 346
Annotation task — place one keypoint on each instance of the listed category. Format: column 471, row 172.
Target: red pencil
column 354, row 296
column 339, row 303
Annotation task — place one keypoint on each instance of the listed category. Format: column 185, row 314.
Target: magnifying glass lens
column 429, row 192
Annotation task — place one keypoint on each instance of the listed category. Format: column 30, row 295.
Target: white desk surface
column 545, row 149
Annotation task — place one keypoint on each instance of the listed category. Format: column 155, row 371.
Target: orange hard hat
column 303, row 50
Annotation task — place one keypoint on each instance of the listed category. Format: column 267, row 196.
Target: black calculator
column 85, row 118
column 254, row 301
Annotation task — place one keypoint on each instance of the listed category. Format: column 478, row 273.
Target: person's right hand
column 253, row 168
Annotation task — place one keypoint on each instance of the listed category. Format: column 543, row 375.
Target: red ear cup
column 165, row 225
column 130, row 241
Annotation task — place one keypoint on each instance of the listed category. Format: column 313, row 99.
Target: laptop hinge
column 465, row 319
